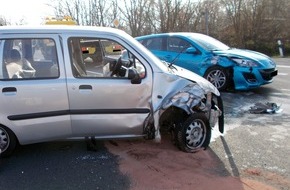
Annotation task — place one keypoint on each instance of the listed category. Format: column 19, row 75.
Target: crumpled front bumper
column 192, row 99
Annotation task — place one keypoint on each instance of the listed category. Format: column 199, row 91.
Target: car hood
column 246, row 54
column 202, row 82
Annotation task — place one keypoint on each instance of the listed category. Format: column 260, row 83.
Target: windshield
column 208, row 43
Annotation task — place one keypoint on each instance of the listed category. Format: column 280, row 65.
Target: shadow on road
column 230, row 157
column 61, row 165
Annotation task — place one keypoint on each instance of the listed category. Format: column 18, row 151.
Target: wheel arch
column 172, row 115
column 229, row 71
column 13, row 138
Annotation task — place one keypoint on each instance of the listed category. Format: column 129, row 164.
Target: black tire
column 217, row 101
column 8, row 141
column 218, row 77
column 221, row 121
column 194, row 134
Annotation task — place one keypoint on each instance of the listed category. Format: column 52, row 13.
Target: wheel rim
column 195, row 134
column 217, row 78
column 4, row 140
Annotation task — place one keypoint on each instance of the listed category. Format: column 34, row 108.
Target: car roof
column 180, row 34
column 57, row 29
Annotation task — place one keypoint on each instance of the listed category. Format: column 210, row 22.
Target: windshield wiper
column 171, row 66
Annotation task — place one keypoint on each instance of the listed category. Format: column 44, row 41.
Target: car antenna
column 173, row 61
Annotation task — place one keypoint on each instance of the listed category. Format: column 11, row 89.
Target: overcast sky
column 31, row 11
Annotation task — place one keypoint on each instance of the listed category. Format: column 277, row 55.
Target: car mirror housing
column 133, row 75
column 191, row 50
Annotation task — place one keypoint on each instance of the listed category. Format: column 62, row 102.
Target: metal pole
column 206, row 20
column 280, row 48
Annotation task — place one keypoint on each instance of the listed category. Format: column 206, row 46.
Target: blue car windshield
column 208, row 43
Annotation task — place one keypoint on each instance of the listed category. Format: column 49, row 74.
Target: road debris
column 268, row 107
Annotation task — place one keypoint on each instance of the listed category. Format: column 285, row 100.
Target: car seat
column 14, row 65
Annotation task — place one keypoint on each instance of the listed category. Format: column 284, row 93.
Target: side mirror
column 191, row 50
column 133, row 75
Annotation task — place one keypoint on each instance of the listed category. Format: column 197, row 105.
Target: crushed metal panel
column 183, row 92
column 186, row 98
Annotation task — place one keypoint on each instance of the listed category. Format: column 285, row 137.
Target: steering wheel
column 117, row 66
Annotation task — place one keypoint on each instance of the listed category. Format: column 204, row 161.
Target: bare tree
column 101, row 13
column 178, row 15
column 256, row 24
column 3, row 21
column 233, row 12
column 134, row 13
column 240, row 23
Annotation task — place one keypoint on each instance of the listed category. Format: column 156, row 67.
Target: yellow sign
column 66, row 20
column 116, row 23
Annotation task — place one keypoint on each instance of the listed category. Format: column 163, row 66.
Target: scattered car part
column 268, row 107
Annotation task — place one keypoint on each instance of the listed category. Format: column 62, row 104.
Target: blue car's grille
column 268, row 74
column 250, row 77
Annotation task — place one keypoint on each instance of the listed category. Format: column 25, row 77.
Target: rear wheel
column 194, row 134
column 218, row 77
column 7, row 141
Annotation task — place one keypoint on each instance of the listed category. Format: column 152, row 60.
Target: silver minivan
column 72, row 82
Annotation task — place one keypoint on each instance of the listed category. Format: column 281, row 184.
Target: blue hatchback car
column 225, row 67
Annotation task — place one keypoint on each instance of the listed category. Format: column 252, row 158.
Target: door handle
column 9, row 89
column 85, row 87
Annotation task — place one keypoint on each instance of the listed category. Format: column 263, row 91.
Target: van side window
column 28, row 59
column 101, row 58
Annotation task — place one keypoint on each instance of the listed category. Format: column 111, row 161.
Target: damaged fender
column 185, row 90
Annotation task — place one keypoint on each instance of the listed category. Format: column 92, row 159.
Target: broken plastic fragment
column 268, row 107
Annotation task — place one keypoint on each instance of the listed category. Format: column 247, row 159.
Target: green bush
column 286, row 49
column 266, row 48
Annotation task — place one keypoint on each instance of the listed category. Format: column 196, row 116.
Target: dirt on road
column 152, row 166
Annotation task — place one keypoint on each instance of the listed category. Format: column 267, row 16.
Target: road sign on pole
column 116, row 23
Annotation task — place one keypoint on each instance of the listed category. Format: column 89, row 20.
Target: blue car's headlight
column 245, row 62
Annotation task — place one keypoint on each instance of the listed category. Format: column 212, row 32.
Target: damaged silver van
column 71, row 82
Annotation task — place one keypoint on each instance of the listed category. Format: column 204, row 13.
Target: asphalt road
column 250, row 141
column 257, row 141
column 61, row 165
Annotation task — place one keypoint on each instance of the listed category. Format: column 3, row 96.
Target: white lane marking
column 283, row 66
column 283, row 74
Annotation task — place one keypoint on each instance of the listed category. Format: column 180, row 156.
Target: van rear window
column 28, row 59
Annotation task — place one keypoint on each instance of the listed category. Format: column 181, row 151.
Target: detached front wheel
column 194, row 134
column 7, row 141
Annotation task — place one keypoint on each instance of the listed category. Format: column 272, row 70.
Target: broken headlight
column 245, row 62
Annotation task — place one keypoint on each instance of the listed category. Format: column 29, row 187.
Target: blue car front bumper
column 248, row 77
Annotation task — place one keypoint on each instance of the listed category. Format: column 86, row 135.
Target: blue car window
column 153, row 43
column 177, row 45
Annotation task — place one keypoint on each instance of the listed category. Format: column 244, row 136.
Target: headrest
column 14, row 55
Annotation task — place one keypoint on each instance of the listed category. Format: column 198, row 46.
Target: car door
column 158, row 46
column 34, row 99
column 177, row 54
column 102, row 103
